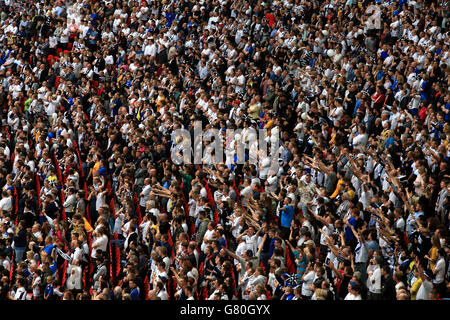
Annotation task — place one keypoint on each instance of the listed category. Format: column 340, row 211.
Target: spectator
column 307, row 140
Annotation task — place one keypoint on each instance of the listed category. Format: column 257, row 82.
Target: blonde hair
column 321, row 294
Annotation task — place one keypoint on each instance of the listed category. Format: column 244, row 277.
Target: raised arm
column 321, row 219
column 337, row 273
column 231, row 253
column 261, row 245
column 353, row 230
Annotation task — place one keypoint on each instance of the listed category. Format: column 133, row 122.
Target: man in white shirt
column 6, row 202
column 4, row 261
column 354, row 292
column 145, row 194
column 132, row 236
column 308, row 279
column 150, row 48
column 361, row 138
column 78, row 253
column 427, row 286
column 208, row 236
column 246, row 192
column 203, row 69
column 374, row 279
column 399, row 221
column 250, row 238
column 21, row 292
column 100, row 242
column 240, row 82
column 70, row 203
column 439, row 273
column 64, row 38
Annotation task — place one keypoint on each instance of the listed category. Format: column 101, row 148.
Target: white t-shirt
column 64, row 37
column 100, row 201
column 307, row 281
column 21, row 294
column 36, row 287
column 251, row 242
column 351, row 296
column 78, row 254
column 102, row 244
column 6, row 264
column 440, row 268
column 74, row 280
column 238, row 229
column 145, row 197
column 375, row 281
column 424, row 291
column 328, row 230
column 240, row 83
column 208, row 235
column 400, row 224
column 6, row 204
column 163, row 295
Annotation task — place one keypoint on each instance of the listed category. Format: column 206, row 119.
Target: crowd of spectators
column 94, row 208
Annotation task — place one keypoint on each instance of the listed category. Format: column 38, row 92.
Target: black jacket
column 20, row 240
column 388, row 288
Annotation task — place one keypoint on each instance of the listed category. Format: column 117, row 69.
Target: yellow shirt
column 253, row 111
column 158, row 103
column 96, row 167
column 269, row 125
column 385, row 133
column 336, row 191
column 333, row 137
column 119, row 79
column 433, row 256
column 87, row 226
column 415, row 287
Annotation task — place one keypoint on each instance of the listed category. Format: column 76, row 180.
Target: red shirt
column 271, row 18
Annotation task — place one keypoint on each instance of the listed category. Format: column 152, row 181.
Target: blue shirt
column 94, row 35
column 166, row 185
column 222, row 243
column 348, row 230
column 357, row 106
column 389, row 142
column 170, row 17
column 271, row 247
column 409, row 222
column 135, row 294
column 53, row 268
column 301, row 267
column 285, row 155
column 286, row 216
column 289, row 296
column 49, row 290
column 373, row 245
column 48, row 249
